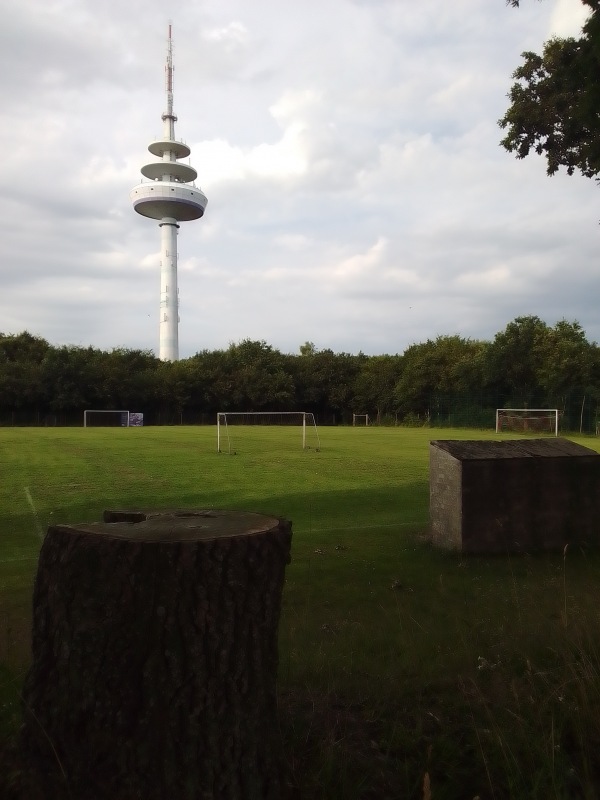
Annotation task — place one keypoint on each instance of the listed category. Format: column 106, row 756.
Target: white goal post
column 360, row 419
column 530, row 420
column 306, row 420
column 122, row 417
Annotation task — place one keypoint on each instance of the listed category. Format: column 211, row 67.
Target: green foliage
column 374, row 385
column 567, row 365
column 324, row 381
column 554, row 102
column 537, row 365
column 308, row 349
column 447, row 364
column 513, row 358
column 22, row 347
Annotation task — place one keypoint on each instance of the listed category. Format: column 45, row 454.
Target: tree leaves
column 554, row 104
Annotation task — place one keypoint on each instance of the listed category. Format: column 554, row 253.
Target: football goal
column 238, row 429
column 528, row 420
column 361, row 420
column 93, row 417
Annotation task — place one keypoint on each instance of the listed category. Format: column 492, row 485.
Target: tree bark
column 155, row 658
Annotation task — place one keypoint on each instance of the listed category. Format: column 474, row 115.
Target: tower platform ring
column 160, row 199
column 157, row 169
column 160, row 146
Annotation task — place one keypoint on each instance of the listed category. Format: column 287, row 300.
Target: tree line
column 446, row 380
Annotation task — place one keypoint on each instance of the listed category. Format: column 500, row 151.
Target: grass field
column 404, row 672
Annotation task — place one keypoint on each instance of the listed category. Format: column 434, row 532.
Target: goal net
column 528, row 420
column 238, row 430
column 103, row 418
column 360, row 419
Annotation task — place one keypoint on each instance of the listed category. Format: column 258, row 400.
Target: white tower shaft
column 169, row 196
column 169, row 293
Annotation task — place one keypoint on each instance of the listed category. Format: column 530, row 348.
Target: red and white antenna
column 169, row 117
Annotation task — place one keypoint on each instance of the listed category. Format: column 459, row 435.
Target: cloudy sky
column 349, row 149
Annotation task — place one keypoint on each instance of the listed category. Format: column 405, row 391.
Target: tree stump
column 155, row 658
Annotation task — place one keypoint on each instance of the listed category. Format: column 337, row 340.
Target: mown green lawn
column 399, row 665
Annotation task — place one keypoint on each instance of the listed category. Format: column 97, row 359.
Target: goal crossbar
column 308, row 418
column 527, row 418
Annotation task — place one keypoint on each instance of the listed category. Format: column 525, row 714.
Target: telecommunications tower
column 170, row 196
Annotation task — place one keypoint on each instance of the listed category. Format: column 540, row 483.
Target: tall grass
column 404, row 671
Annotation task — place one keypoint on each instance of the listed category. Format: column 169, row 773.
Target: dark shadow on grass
column 316, row 509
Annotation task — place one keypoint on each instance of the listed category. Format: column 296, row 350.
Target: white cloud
column 230, row 36
column 494, row 279
column 279, row 160
column 220, row 162
column 567, row 18
column 361, row 264
column 292, row 241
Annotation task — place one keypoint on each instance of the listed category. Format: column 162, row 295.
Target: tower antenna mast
column 170, row 196
column 168, row 115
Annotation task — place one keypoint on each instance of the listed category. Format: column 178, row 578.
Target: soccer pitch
column 389, row 650
column 359, row 477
